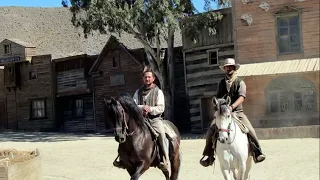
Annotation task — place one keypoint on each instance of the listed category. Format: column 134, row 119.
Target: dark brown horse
column 138, row 149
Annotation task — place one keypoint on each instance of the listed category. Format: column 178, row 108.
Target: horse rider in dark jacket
column 235, row 88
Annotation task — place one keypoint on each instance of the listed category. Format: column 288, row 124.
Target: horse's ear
column 107, row 101
column 228, row 100
column 214, row 101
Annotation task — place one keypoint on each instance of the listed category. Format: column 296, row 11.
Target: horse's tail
column 176, row 151
column 175, row 166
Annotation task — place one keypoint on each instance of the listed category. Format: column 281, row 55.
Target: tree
column 151, row 22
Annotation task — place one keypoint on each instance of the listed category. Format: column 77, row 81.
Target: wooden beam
column 194, row 110
column 185, row 75
column 195, row 119
column 192, row 57
column 197, row 101
column 209, row 93
column 69, row 58
column 202, row 82
column 207, row 47
column 204, row 73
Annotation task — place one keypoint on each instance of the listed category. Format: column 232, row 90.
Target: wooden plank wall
column 181, row 107
column 132, row 71
column 76, row 124
column 224, row 33
column 16, row 50
column 70, row 80
column 3, row 123
column 18, row 102
column 202, row 80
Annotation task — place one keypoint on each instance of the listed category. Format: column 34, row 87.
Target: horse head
column 116, row 116
column 223, row 117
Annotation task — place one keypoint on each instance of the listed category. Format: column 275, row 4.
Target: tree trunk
column 164, row 72
column 170, row 76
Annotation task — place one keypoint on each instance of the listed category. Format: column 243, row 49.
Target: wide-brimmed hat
column 230, row 62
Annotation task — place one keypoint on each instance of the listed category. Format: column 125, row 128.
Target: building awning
column 279, row 67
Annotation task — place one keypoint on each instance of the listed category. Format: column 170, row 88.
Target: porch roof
column 279, row 67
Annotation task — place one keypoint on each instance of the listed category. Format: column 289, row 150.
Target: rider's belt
column 153, row 116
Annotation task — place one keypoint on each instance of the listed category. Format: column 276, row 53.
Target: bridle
column 228, row 130
column 123, row 118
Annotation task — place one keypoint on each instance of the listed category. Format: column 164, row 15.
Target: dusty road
column 85, row 157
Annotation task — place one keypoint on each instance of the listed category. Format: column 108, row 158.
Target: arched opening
column 290, row 94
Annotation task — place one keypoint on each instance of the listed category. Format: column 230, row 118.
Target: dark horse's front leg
column 135, row 174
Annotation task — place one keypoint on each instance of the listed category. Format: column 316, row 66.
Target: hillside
column 51, row 31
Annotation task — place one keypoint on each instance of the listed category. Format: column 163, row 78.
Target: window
column 290, row 94
column 213, row 57
column 116, row 80
column 289, row 40
column 7, row 49
column 11, row 70
column 116, row 61
column 33, row 75
column 38, row 109
column 78, row 107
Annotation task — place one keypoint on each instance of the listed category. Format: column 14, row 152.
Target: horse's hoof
column 118, row 165
column 165, row 169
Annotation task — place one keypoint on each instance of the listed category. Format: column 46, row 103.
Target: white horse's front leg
column 248, row 168
column 224, row 159
column 226, row 173
column 242, row 169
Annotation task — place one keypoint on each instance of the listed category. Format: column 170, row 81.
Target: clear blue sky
column 57, row 3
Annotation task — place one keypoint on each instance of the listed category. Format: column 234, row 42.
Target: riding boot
column 166, row 165
column 210, row 147
column 258, row 156
column 118, row 164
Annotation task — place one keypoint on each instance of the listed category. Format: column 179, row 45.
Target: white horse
column 232, row 146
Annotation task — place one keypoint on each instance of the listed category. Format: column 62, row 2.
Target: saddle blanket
column 168, row 131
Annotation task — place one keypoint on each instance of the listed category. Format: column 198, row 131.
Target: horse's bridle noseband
column 123, row 114
column 123, row 118
column 226, row 130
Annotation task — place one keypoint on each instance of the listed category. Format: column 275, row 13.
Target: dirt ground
column 90, row 157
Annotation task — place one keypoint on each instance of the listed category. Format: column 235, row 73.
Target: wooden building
column 3, row 111
column 118, row 70
column 277, row 45
column 74, row 98
column 45, row 66
column 202, row 72
column 26, row 86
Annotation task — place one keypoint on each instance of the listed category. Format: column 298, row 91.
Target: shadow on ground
column 46, row 136
column 58, row 136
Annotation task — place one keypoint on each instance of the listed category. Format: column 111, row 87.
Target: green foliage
column 146, row 19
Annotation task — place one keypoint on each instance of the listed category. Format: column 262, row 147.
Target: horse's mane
column 132, row 109
column 222, row 107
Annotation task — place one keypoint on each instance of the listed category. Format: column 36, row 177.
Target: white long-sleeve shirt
column 154, row 110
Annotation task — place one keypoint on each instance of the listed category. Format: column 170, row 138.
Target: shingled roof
column 50, row 30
